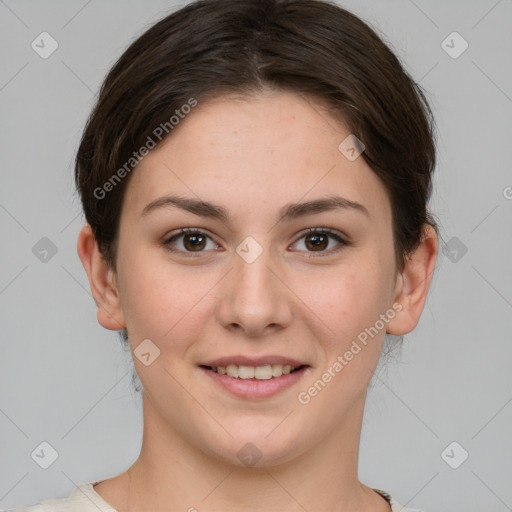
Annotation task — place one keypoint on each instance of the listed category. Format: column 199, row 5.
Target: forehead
column 256, row 151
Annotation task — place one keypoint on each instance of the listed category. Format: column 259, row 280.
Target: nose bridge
column 253, row 279
column 254, row 297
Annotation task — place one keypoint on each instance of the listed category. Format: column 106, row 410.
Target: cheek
column 350, row 304
column 350, row 299
column 156, row 297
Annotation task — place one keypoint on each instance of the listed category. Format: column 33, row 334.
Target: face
column 268, row 282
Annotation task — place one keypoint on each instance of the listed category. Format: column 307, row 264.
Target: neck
column 172, row 474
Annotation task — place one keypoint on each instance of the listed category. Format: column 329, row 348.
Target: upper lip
column 254, row 361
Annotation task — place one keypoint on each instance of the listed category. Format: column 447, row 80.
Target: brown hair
column 213, row 47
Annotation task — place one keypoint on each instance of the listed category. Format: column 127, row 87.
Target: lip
column 254, row 388
column 254, row 361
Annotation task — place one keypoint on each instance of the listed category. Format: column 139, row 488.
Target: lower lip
column 254, row 388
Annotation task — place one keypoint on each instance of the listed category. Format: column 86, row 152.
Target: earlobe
column 101, row 281
column 413, row 284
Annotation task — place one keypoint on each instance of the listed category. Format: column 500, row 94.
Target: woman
column 255, row 179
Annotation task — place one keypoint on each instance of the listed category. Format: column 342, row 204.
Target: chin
column 263, row 447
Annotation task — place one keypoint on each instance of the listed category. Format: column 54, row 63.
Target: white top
column 85, row 499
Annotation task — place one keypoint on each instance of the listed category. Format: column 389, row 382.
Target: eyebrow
column 287, row 213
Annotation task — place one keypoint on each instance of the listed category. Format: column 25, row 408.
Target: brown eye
column 318, row 240
column 194, row 242
column 189, row 241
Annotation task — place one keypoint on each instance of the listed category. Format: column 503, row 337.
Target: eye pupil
column 195, row 244
column 317, row 244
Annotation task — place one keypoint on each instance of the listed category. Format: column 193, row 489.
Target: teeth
column 246, row 372
column 232, row 370
column 277, row 370
column 264, row 372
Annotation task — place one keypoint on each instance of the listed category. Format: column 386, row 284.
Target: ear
column 101, row 280
column 413, row 283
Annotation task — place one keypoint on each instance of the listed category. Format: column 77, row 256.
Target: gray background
column 65, row 380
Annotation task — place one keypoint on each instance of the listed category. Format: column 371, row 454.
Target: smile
column 255, row 382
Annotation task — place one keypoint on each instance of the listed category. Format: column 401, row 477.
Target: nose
column 254, row 298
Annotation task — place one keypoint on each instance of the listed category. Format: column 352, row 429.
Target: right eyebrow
column 195, row 206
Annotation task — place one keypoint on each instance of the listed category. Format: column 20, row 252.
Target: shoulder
column 83, row 499
column 395, row 505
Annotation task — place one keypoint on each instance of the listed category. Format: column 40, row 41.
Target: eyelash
column 321, row 231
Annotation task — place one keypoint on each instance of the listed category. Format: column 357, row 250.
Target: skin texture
column 253, row 156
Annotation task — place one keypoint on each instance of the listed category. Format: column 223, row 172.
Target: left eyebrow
column 296, row 210
column 287, row 213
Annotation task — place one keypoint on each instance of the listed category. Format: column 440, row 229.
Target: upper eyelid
column 329, row 231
